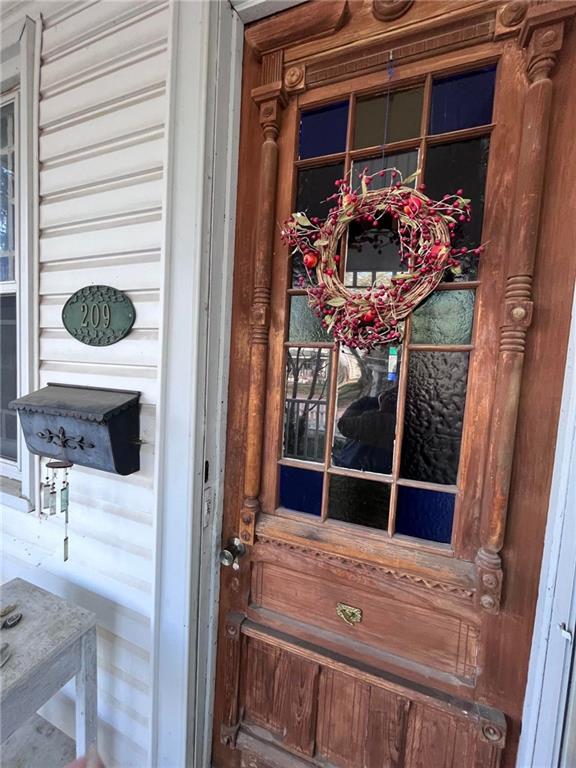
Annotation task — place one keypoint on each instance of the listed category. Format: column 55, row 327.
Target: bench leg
column 86, row 698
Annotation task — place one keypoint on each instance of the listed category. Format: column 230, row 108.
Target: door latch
column 231, row 555
column 565, row 632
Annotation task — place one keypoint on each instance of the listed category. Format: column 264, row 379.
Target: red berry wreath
column 370, row 317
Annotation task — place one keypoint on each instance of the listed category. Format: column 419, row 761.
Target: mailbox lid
column 85, row 403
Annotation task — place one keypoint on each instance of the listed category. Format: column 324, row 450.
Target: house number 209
column 98, row 315
column 95, row 314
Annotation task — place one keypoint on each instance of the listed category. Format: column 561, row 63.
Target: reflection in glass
column 301, row 489
column 360, row 501
column 425, row 514
column 461, row 165
column 444, row 318
column 365, row 416
column 314, row 186
column 462, row 101
column 307, row 374
column 7, row 192
column 435, row 398
column 323, row 131
column 406, row 163
column 373, row 253
column 304, row 324
column 388, row 118
column 8, row 377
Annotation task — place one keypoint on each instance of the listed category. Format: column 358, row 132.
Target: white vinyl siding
column 101, row 186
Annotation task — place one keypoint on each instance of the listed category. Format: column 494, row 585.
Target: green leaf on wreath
column 337, row 301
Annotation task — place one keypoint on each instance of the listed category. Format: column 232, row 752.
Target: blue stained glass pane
column 462, row 101
column 425, row 514
column 323, row 131
column 301, row 489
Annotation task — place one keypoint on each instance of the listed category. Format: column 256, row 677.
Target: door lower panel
column 299, row 705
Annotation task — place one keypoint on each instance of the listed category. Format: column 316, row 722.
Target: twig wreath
column 367, row 318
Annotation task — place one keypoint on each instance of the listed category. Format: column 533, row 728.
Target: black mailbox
column 98, row 428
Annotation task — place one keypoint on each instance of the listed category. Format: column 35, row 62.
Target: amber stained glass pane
column 388, row 118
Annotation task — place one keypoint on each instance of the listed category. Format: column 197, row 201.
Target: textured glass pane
column 388, row 118
column 365, row 419
column 359, row 501
column 314, row 186
column 373, row 254
column 301, row 489
column 425, row 514
column 406, row 163
column 8, row 376
column 435, row 399
column 307, row 374
column 444, row 318
column 462, row 101
column 323, row 131
column 304, row 325
column 7, row 192
column 461, row 165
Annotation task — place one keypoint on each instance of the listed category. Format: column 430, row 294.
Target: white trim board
column 551, row 656
column 203, row 136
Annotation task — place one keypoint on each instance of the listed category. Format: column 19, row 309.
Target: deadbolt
column 232, row 553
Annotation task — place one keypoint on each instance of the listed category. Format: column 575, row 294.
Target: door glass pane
column 8, row 380
column 323, row 131
column 425, row 514
column 435, row 398
column 444, row 318
column 388, row 118
column 307, row 375
column 406, row 163
column 304, row 324
column 461, row 165
column 373, row 253
column 314, row 186
column 301, row 489
column 355, row 500
column 7, row 191
column 462, row 101
column 365, row 418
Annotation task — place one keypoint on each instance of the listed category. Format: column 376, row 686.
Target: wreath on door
column 363, row 319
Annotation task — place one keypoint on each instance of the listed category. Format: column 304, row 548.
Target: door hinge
column 565, row 632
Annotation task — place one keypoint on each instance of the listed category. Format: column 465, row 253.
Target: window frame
column 470, row 476
column 20, row 84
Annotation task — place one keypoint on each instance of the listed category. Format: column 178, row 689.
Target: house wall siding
column 102, row 116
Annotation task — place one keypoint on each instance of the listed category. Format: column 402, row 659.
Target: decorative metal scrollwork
column 62, row 440
column 349, row 613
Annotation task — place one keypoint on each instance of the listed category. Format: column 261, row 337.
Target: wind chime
column 56, row 493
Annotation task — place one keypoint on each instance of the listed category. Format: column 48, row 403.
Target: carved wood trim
column 388, row 10
column 271, row 99
column 542, row 37
column 372, row 569
column 376, row 56
column 232, row 639
column 315, row 19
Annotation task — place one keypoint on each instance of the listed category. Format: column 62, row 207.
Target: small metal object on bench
column 11, row 621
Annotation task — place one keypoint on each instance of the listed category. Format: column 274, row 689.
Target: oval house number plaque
column 98, row 315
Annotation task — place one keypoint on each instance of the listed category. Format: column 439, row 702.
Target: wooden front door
column 380, row 616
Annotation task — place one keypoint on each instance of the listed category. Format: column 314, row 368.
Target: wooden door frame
column 539, row 34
